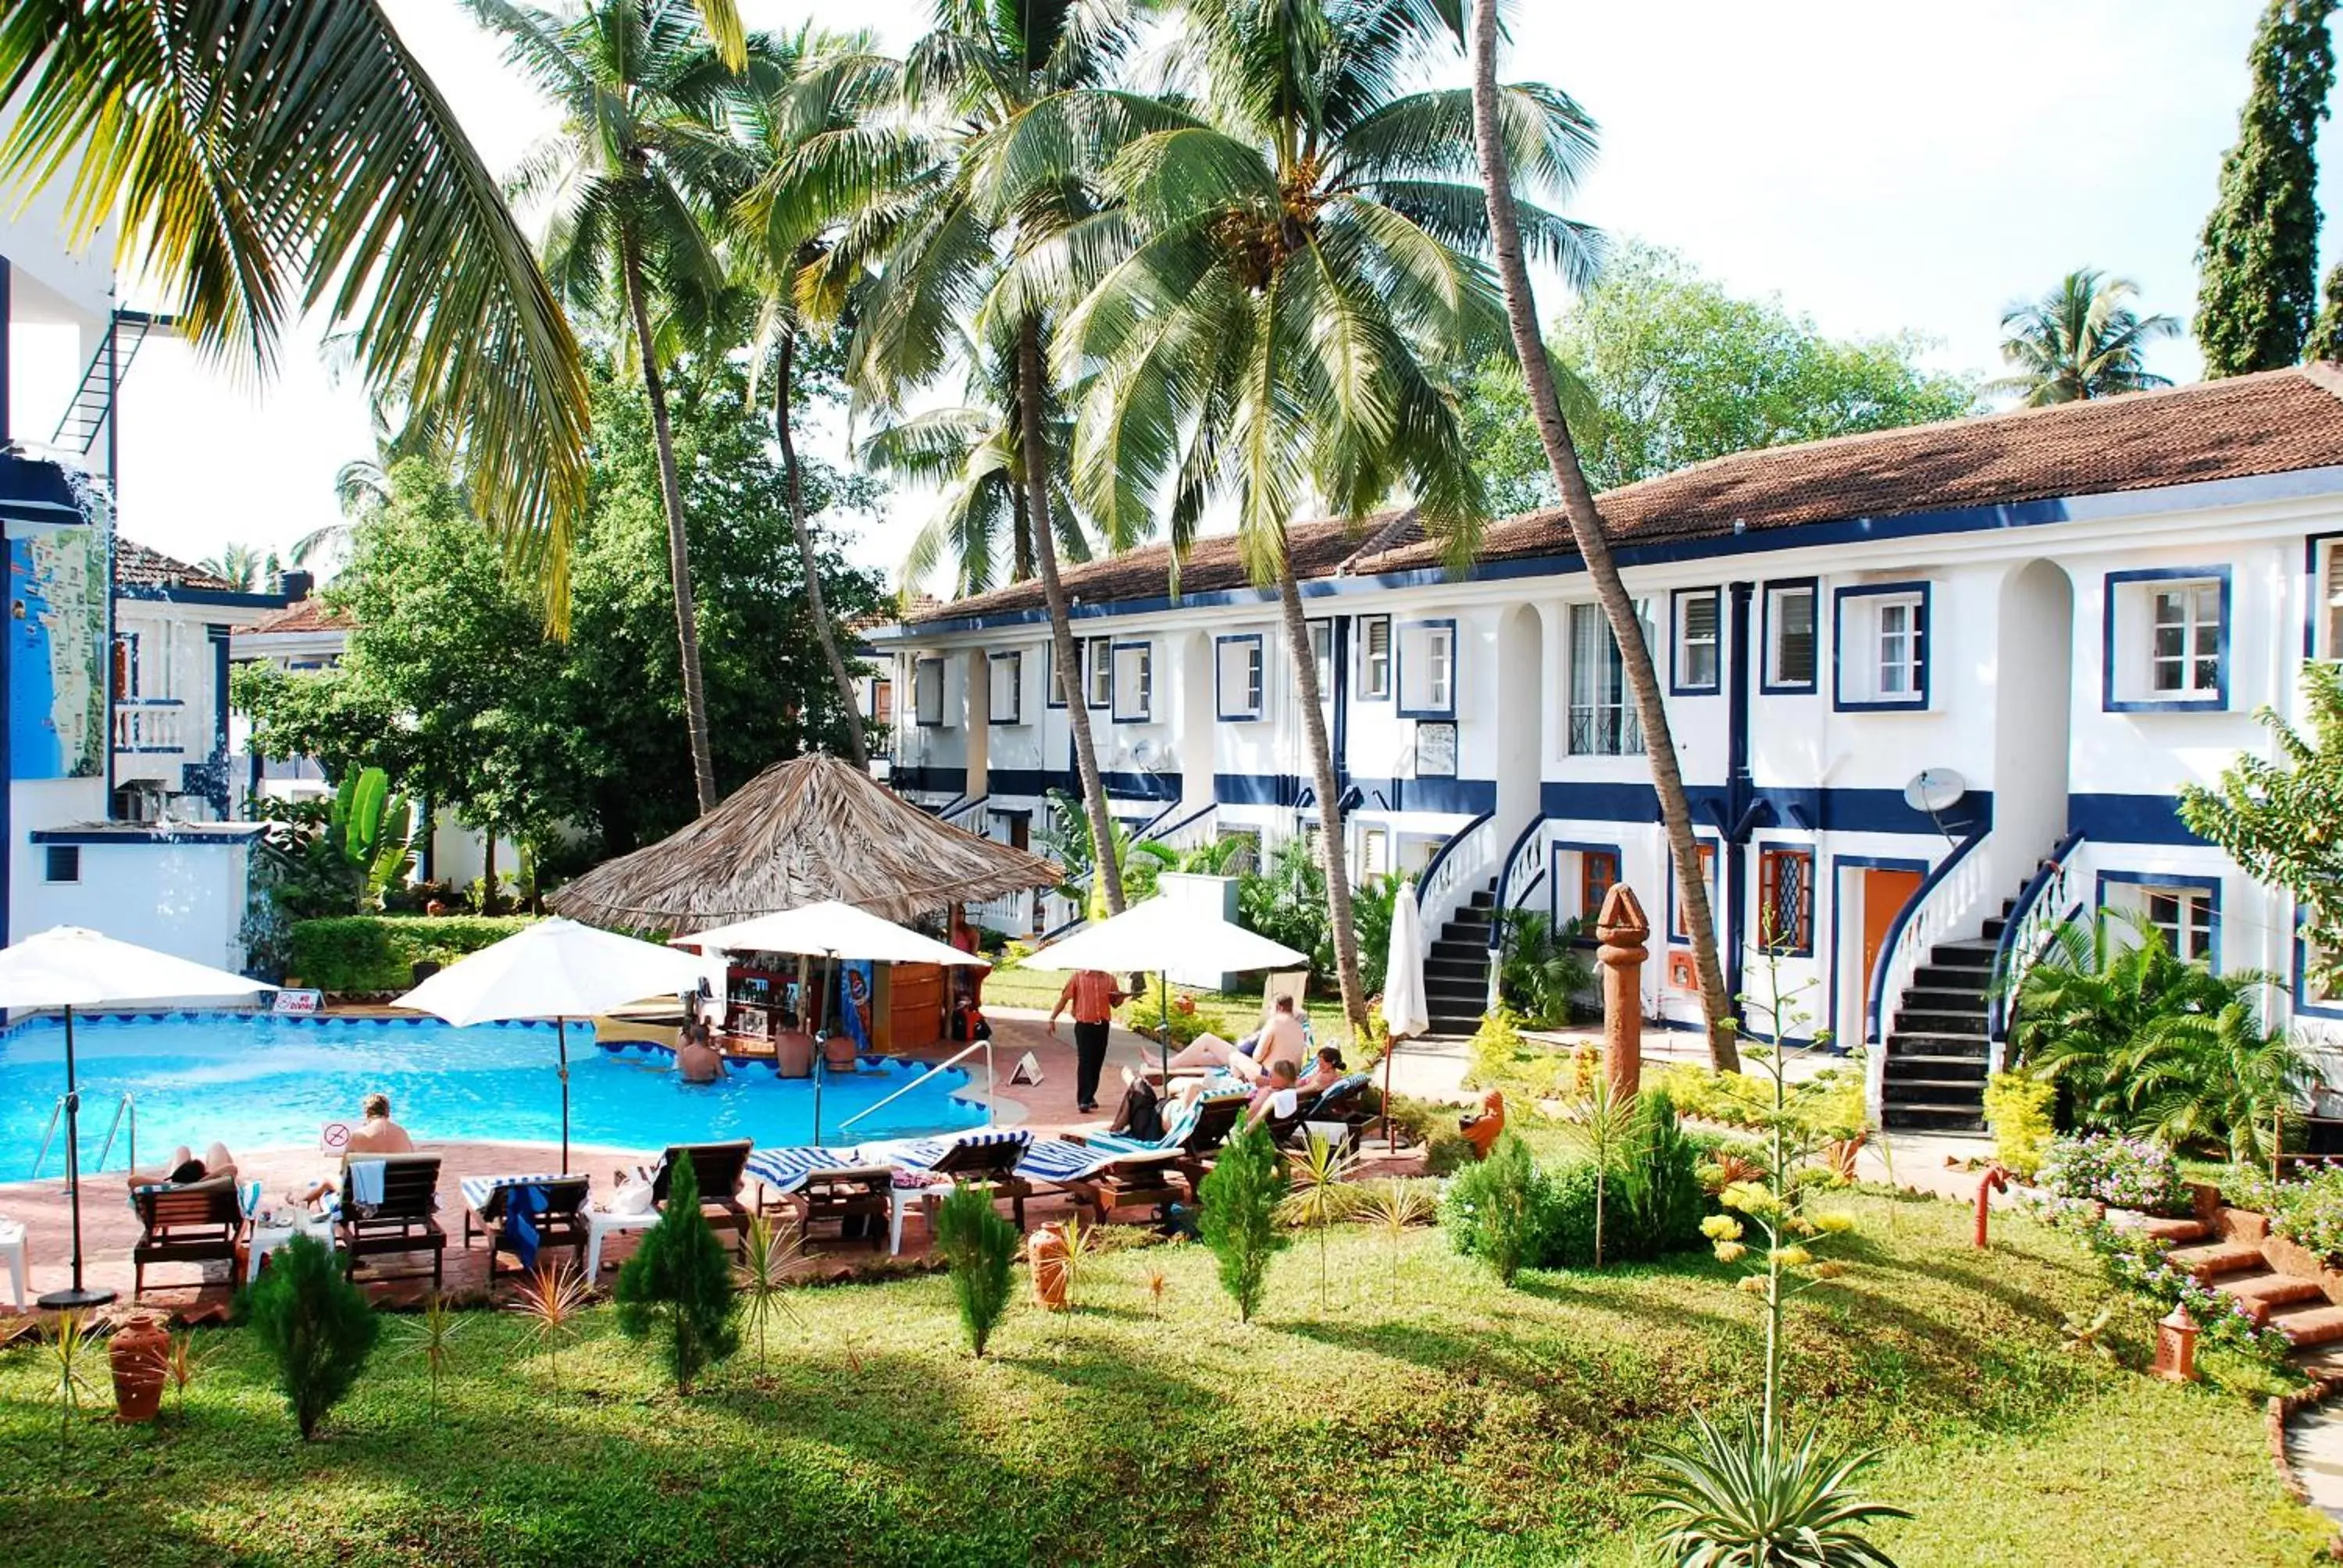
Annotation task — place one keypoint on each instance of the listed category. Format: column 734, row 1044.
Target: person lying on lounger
column 1326, row 1071
column 183, row 1167
column 1276, row 1097
column 1281, row 1039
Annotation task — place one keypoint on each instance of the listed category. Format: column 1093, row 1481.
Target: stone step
column 2209, row 1260
column 1931, row 999
column 2322, row 1362
column 2266, row 1293
column 1968, row 955
column 1949, row 977
column 1457, row 952
column 2179, row 1233
column 1932, row 1118
column 1992, row 929
column 1473, row 933
column 1905, row 1042
column 1474, row 988
column 1934, row 1064
column 2309, row 1325
column 1968, row 1092
column 1924, row 1022
column 1456, row 963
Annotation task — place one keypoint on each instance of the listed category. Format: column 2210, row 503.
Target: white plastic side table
column 266, row 1238
column 12, row 1252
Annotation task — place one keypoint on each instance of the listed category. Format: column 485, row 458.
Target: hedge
column 351, row 954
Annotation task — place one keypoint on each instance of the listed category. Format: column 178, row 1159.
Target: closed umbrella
column 556, row 969
column 1149, row 936
column 1406, row 1010
column 69, row 967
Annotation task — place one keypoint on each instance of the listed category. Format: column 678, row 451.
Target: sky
column 1882, row 169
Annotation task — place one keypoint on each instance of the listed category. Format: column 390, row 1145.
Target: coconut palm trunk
column 678, row 544
column 1330, row 801
column 1030, row 391
column 785, row 355
column 1594, row 547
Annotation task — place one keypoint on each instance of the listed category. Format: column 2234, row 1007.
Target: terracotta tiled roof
column 135, row 566
column 311, row 614
column 2271, row 423
column 1319, row 549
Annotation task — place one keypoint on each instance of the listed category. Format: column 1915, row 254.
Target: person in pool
column 696, row 1058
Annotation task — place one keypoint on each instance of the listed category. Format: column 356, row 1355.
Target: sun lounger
column 720, row 1167
column 819, row 1185
column 498, row 1206
column 1110, row 1181
column 1137, row 1173
column 398, row 1217
column 189, row 1222
column 986, row 1158
column 1339, row 1102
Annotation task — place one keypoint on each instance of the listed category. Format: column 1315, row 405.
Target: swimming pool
column 253, row 1082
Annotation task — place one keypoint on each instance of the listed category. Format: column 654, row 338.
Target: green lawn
column 1428, row 1417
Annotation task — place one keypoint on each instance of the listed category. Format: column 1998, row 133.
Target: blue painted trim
column 1923, row 632
column 2302, row 1005
column 129, row 834
column 2220, row 701
column 1340, row 689
column 1446, row 848
column 1555, row 849
column 1804, row 850
column 930, row 779
column 1115, row 715
column 941, row 681
column 1874, row 1007
column 158, row 593
column 2003, row 951
column 1766, row 685
column 7, row 762
column 1678, row 686
column 2201, row 884
column 1017, row 656
column 1221, row 709
column 1840, row 864
column 1391, row 659
column 2110, row 818
column 1398, row 667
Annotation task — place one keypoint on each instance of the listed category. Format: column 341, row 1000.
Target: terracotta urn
column 1045, row 1250
column 139, row 1351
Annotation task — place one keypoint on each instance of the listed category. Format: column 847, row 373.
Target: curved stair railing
column 1467, row 854
column 1947, row 900
column 1523, row 869
column 2049, row 899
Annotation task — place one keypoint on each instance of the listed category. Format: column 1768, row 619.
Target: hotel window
column 2326, row 594
column 61, row 864
column 2185, row 916
column 928, row 693
column 1883, row 646
column 1582, row 879
column 882, row 703
column 1098, row 656
column 1602, row 722
column 1322, row 655
column 2166, row 640
column 1134, row 682
column 1427, row 670
column 1785, row 900
column 1055, row 697
column 1240, row 677
column 1677, row 928
column 1375, row 852
column 1790, row 660
column 1374, row 657
column 1008, row 688
column 1698, row 640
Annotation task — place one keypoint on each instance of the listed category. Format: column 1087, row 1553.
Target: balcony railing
column 150, row 724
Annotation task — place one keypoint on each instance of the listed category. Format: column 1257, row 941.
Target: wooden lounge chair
column 986, row 1158
column 1342, row 1100
column 860, row 1196
column 1134, row 1183
column 562, row 1223
column 404, row 1221
column 191, row 1222
column 1184, row 1151
column 722, row 1168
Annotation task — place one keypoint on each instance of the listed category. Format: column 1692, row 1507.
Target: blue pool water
column 254, row 1081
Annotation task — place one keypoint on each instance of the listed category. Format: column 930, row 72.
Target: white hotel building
column 2059, row 616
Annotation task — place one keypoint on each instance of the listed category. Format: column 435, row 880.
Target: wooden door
column 1884, row 894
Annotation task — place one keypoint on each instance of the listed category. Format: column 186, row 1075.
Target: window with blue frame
column 1881, row 657
column 1697, row 665
column 2165, row 640
column 1791, row 638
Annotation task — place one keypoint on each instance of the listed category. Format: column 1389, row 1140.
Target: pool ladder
column 125, row 1110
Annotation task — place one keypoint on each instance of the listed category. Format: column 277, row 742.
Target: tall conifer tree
column 2258, row 263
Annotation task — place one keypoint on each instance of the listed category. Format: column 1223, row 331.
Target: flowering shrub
column 2307, row 1212
column 2136, row 1262
column 2121, row 1172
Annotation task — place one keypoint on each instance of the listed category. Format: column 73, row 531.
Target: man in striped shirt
column 1092, row 995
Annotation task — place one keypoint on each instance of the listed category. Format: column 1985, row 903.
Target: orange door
column 1884, row 894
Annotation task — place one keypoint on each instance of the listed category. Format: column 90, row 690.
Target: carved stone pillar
column 1623, row 929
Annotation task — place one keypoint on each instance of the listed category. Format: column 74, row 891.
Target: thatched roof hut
column 811, row 828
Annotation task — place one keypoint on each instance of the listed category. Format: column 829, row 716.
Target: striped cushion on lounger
column 1182, row 1123
column 478, row 1189
column 1061, row 1159
column 925, row 1153
column 786, row 1170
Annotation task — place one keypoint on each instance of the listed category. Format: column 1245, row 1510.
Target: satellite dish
column 1934, row 790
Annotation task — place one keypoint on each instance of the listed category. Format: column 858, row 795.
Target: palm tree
column 641, row 86
column 248, row 567
column 820, row 167
column 265, row 157
column 1292, row 303
column 973, row 454
column 2082, row 339
column 989, row 69
column 1496, row 138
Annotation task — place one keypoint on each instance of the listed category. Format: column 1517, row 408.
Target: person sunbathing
column 183, row 1167
column 1326, row 1071
column 377, row 1134
column 1281, row 1039
column 1277, row 1097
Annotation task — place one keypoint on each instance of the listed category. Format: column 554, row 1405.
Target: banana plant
column 373, row 830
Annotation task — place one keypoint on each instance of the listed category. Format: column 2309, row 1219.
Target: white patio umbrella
column 68, row 967
column 556, row 969
column 831, row 930
column 1152, row 935
column 1406, row 1010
